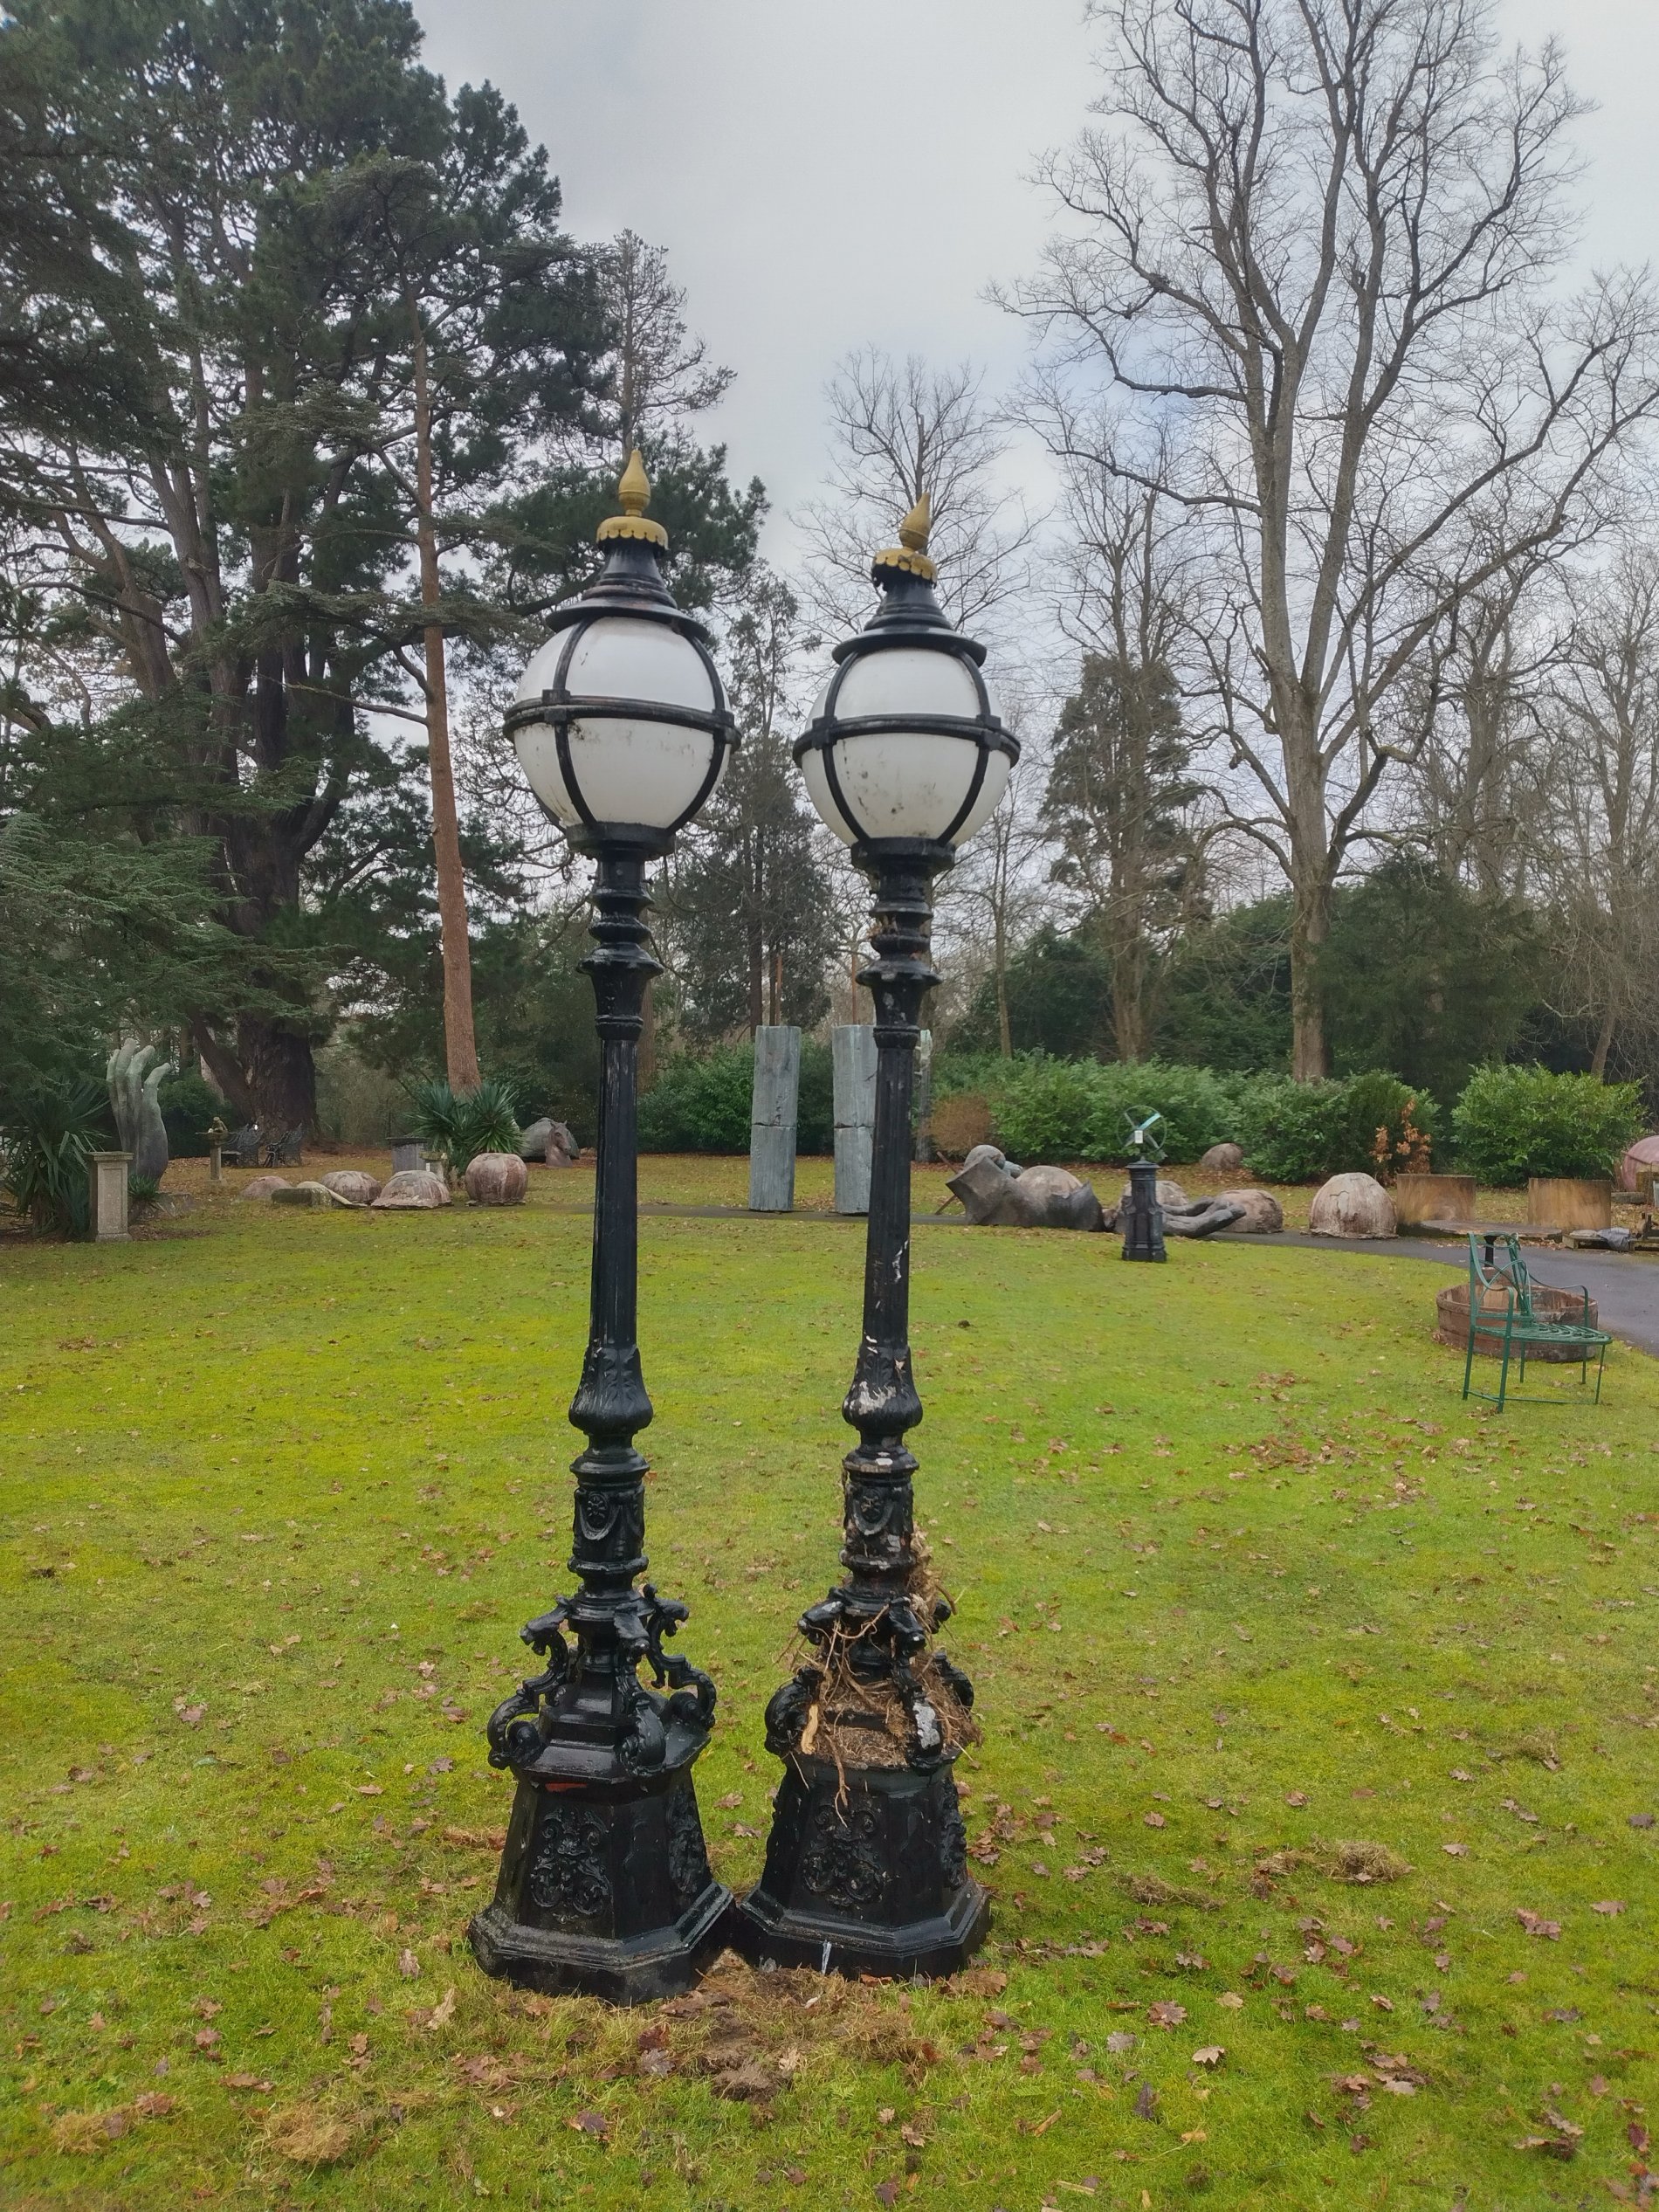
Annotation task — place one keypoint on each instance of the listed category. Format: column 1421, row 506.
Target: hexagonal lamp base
column 866, row 1872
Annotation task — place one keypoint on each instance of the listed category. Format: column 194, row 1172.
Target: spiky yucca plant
column 462, row 1124
column 48, row 1133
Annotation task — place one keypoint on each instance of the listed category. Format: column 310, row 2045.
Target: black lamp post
column 866, row 1866
column 604, row 1885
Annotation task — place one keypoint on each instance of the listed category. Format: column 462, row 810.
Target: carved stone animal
column 412, row 1190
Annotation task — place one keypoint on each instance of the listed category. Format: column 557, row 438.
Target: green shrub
column 462, row 1124
column 815, row 1113
column 188, row 1105
column 49, row 1130
column 1514, row 1122
column 1197, row 1110
column 1305, row 1132
column 701, row 1103
column 1042, row 1108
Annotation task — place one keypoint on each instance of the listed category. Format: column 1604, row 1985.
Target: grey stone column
column 107, row 1173
column 772, row 1120
column 853, row 1054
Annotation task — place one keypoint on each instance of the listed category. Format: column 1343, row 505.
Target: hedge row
column 1509, row 1123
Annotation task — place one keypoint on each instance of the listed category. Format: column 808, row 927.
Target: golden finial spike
column 634, row 490
column 913, row 531
column 909, row 556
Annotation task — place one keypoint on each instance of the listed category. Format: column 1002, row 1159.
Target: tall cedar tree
column 233, row 529
column 1116, row 804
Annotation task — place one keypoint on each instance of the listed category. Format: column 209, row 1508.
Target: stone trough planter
column 1422, row 1199
column 1570, row 1201
column 1451, row 1307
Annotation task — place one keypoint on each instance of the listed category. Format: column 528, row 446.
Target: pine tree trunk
column 460, row 1048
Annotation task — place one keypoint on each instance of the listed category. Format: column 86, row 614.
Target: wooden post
column 109, row 1197
column 853, row 1058
column 771, row 1119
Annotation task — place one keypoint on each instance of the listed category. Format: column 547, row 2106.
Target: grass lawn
column 1243, row 1586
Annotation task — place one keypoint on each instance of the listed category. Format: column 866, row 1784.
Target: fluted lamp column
column 623, row 731
column 866, row 1867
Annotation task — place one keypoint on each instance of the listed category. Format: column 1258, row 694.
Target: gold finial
column 910, row 554
column 634, row 491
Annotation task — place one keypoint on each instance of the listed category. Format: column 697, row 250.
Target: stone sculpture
column 353, row 1185
column 133, row 1084
column 1223, row 1160
column 496, row 1179
column 550, row 1141
column 1184, row 1217
column 996, row 1193
column 263, row 1187
column 313, row 1194
column 1352, row 1206
column 1260, row 1212
column 411, row 1191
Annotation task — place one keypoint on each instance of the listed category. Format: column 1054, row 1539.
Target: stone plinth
column 853, row 1056
column 107, row 1196
column 771, row 1119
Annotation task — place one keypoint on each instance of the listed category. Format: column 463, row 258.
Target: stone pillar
column 772, row 1120
column 853, row 1055
column 406, row 1156
column 108, row 1192
column 923, row 1146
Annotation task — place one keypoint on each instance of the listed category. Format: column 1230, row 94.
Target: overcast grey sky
column 824, row 176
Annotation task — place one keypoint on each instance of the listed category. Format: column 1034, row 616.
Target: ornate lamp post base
column 604, row 1889
column 1142, row 1217
column 866, row 1872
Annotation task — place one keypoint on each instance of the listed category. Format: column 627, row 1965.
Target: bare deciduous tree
column 1599, row 864
column 1324, row 237
column 898, row 430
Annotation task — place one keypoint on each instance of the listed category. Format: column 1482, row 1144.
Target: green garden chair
column 1501, row 1303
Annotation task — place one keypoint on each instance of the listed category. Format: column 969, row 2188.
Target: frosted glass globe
column 628, row 769
column 899, row 782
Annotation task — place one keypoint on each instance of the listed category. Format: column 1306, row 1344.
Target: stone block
column 853, row 1060
column 771, row 1119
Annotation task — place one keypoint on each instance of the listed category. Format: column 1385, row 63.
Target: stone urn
column 1352, row 1206
column 1224, row 1159
column 263, row 1187
column 496, row 1179
column 411, row 1191
column 353, row 1185
column 1263, row 1216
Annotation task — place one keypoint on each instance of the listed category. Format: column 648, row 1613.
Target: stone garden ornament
column 133, row 1083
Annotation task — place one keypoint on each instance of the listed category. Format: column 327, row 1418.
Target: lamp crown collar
column 909, row 556
column 634, row 493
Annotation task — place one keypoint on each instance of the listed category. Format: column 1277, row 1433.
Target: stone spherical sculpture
column 412, row 1190
column 1224, row 1159
column 1352, row 1206
column 1262, row 1214
column 497, row 1179
column 353, row 1185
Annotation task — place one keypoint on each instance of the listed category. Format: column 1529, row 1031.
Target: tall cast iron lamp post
column 866, row 1867
column 623, row 730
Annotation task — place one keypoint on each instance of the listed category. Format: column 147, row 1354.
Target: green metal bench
column 1500, row 1304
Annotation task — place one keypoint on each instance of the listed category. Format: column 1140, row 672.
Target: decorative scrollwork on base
column 688, row 1868
column 843, row 1862
column 513, row 1729
column 568, row 1875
